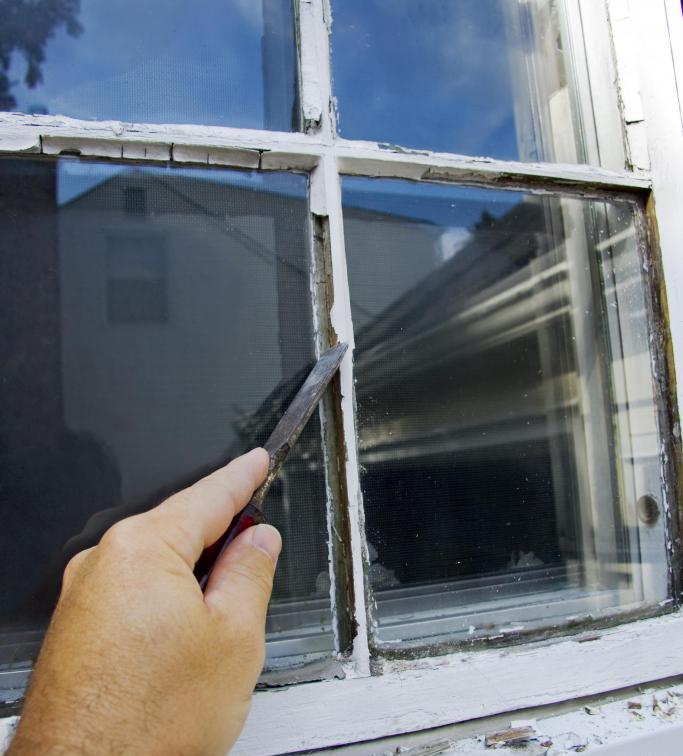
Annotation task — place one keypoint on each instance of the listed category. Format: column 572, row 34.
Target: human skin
column 136, row 659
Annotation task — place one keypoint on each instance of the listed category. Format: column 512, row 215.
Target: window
column 460, row 192
column 506, row 79
column 88, row 61
column 506, row 419
column 136, row 280
column 159, row 347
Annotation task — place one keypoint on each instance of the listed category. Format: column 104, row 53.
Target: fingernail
column 259, row 451
column 260, row 457
column 267, row 538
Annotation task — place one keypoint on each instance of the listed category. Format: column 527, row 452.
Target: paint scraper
column 278, row 446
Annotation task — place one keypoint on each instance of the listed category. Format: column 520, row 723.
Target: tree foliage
column 25, row 28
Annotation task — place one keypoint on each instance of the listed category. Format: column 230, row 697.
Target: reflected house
column 179, row 317
column 472, row 424
column 178, row 304
column 170, row 317
column 452, row 383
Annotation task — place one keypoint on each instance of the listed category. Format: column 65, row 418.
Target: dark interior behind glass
column 153, row 324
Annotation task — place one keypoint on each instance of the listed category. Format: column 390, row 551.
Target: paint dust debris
column 665, row 706
column 433, row 748
column 510, row 736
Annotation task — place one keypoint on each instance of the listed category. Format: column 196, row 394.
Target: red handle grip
column 249, row 516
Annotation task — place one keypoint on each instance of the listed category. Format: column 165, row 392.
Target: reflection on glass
column 154, row 321
column 477, row 77
column 507, row 425
column 228, row 64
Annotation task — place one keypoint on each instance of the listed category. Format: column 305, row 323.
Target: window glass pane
column 478, row 77
column 507, row 424
column 152, row 323
column 214, row 63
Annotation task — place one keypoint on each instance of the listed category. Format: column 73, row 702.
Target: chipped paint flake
column 87, row 147
column 237, row 158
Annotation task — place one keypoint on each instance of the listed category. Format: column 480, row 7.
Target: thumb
column 242, row 579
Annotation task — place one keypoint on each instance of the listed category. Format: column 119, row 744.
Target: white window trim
column 427, row 692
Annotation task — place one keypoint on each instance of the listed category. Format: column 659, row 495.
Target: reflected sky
column 431, row 74
column 484, row 355
column 434, row 203
column 175, row 62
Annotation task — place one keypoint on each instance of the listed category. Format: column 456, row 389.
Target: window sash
column 462, row 688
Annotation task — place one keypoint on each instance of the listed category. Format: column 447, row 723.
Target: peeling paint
column 341, row 573
column 236, row 158
column 276, row 160
column 20, row 142
column 86, row 147
column 146, row 151
column 664, row 372
column 434, row 692
column 418, row 693
column 326, row 199
column 311, row 90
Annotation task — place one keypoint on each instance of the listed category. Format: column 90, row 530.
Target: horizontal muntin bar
column 274, row 150
column 195, row 144
column 391, row 161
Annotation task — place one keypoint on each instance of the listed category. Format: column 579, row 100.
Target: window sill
column 425, row 693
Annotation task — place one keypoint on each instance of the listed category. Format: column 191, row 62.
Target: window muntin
column 224, row 64
column 499, row 78
column 506, row 416
column 108, row 407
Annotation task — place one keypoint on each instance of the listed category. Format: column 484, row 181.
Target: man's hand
column 136, row 659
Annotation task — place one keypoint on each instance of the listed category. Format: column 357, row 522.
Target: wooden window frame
column 376, row 698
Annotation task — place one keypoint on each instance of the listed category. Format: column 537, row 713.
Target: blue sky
column 174, row 61
column 425, row 73
column 447, row 206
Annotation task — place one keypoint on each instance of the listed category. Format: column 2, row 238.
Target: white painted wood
column 7, row 727
column 664, row 130
column 326, row 201
column 227, row 156
column 146, row 151
column 601, row 73
column 279, row 150
column 242, row 148
column 663, row 742
column 625, row 38
column 314, row 66
column 55, row 145
column 674, row 17
column 427, row 692
column 369, row 159
column 432, row 692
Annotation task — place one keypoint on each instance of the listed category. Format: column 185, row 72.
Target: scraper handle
column 249, row 516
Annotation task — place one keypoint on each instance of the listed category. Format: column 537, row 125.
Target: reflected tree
column 25, row 28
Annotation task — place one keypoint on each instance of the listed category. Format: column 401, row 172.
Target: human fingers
column 242, row 579
column 73, row 566
column 196, row 517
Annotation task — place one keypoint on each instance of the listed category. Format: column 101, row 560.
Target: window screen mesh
column 206, row 62
column 142, row 349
